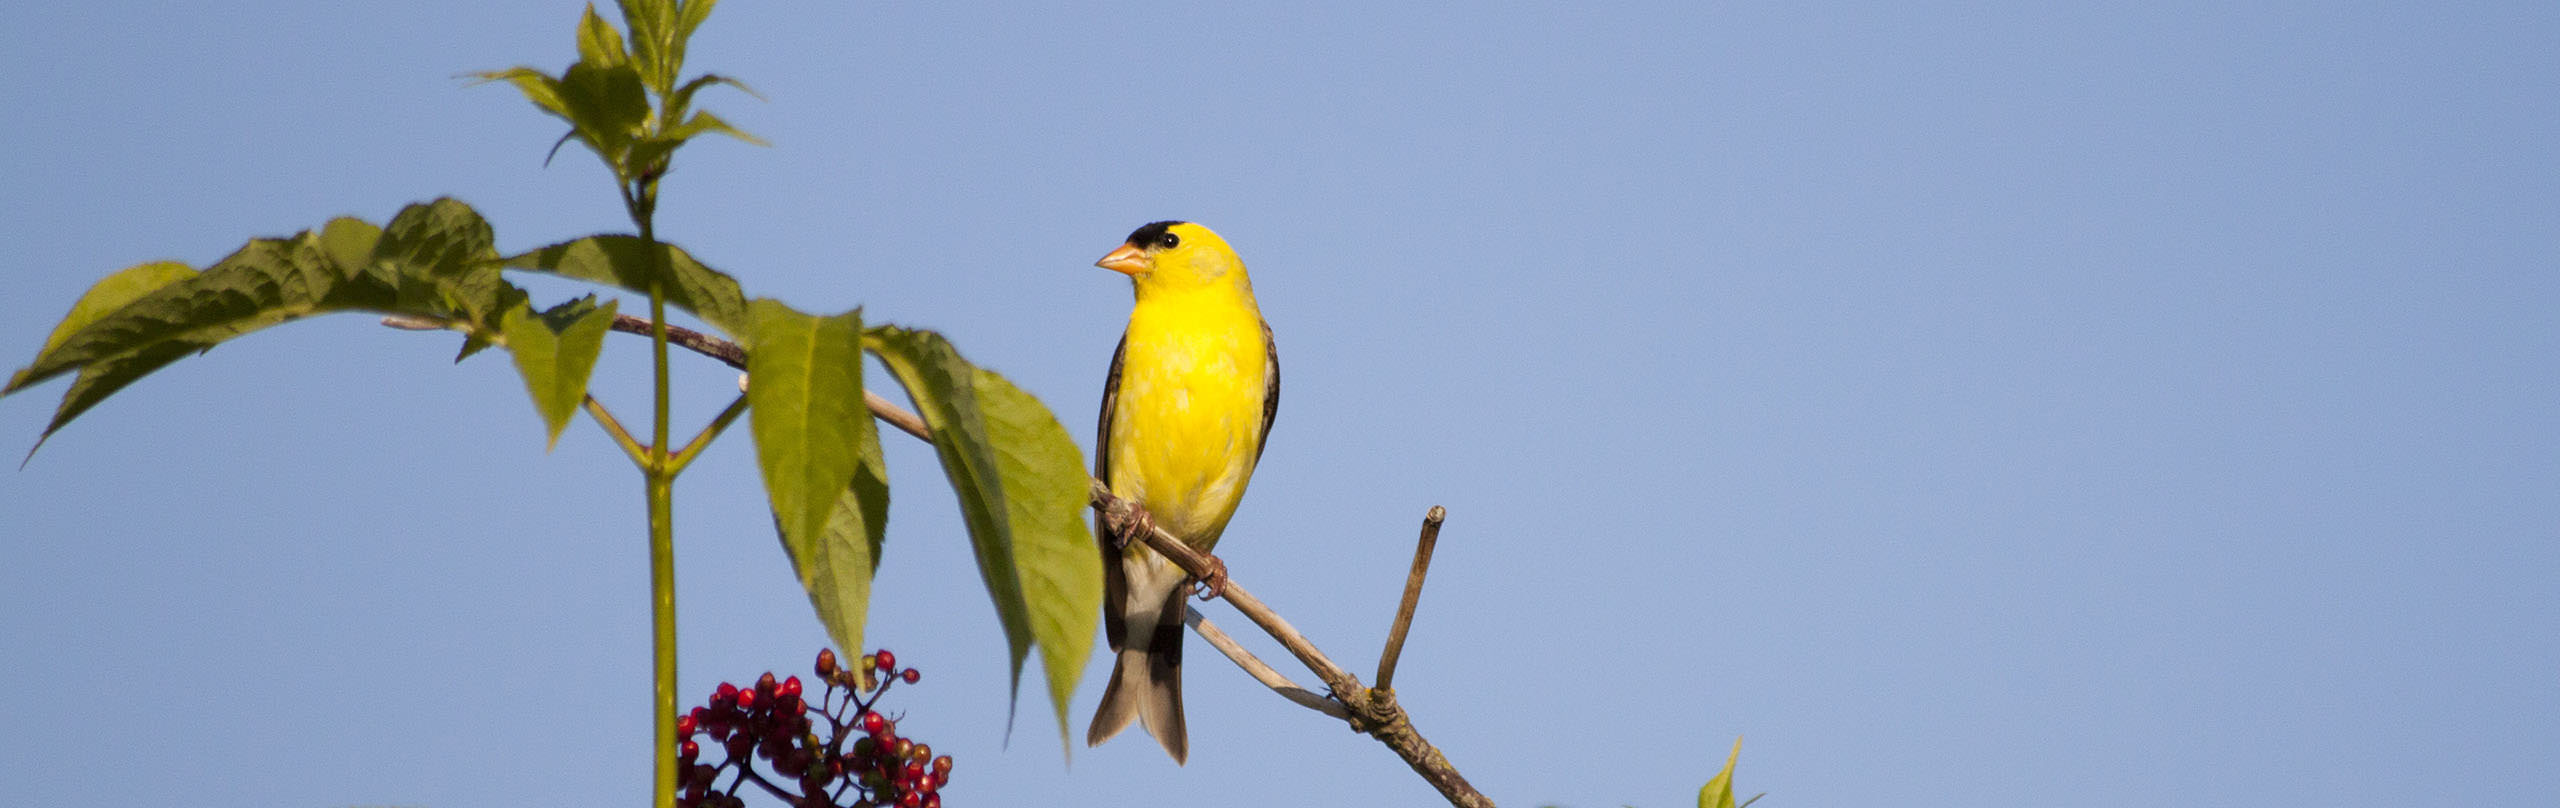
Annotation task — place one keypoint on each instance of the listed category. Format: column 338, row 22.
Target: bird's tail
column 1146, row 681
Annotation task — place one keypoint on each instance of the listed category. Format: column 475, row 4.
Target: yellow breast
column 1189, row 417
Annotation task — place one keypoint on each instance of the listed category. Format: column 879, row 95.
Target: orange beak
column 1127, row 260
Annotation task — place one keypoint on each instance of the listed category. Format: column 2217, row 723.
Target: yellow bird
column 1185, row 413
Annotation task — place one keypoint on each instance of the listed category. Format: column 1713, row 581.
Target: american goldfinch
column 1185, row 413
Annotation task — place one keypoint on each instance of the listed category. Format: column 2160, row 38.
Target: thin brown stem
column 1412, row 595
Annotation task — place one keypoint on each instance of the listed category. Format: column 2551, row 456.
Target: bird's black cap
column 1155, row 234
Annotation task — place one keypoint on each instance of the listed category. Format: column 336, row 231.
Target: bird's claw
column 1213, row 585
column 1134, row 529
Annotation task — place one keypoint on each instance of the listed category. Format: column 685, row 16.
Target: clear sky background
column 1992, row 404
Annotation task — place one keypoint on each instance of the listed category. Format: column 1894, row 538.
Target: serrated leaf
column 443, row 259
column 1718, row 792
column 944, row 390
column 555, row 352
column 144, row 318
column 178, row 312
column 820, row 456
column 626, row 262
column 598, row 43
column 266, row 282
column 112, row 293
column 1045, row 490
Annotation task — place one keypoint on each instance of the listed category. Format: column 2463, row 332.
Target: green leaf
column 1718, row 793
column 443, row 259
column 682, row 98
column 606, row 104
column 944, row 389
column 146, row 317
column 140, row 320
column 628, row 263
column 110, row 294
column 1045, row 491
column 702, row 122
column 689, row 16
column 538, row 87
column 555, row 351
column 598, row 43
column 652, row 25
column 264, row 283
column 820, row 456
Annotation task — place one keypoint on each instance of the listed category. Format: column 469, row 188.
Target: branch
column 1368, row 710
column 1412, row 595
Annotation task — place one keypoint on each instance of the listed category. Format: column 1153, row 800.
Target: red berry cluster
column 816, row 754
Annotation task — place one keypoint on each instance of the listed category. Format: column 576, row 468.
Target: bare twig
column 1412, row 595
column 1260, row 671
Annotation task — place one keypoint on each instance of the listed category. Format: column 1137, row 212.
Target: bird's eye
column 1168, row 240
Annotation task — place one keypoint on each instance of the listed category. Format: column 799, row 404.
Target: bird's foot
column 1213, row 585
column 1134, row 529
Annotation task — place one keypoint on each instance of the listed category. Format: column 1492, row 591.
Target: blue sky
column 2015, row 404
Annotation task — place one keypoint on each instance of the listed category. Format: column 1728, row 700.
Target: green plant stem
column 702, row 440
column 639, row 198
column 613, row 427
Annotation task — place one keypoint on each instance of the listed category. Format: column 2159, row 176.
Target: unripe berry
column 923, row 752
column 885, row 661
column 766, row 685
column 910, row 675
column 826, row 663
column 901, row 748
column 942, row 766
column 862, row 747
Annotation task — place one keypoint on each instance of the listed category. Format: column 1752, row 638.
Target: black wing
column 1115, row 583
column 1270, row 389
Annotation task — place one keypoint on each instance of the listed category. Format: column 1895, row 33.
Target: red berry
column 942, row 766
column 725, row 693
column 872, row 723
column 790, row 687
column 911, row 773
column 911, row 800
column 932, row 800
column 887, row 661
column 826, row 662
column 688, row 751
column 746, row 699
column 911, row 676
